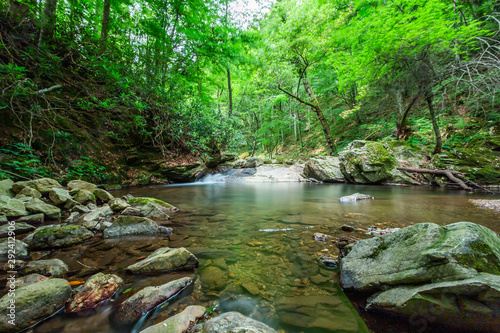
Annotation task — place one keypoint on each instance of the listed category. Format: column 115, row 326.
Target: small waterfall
column 217, row 178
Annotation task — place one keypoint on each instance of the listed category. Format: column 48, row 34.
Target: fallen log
column 448, row 173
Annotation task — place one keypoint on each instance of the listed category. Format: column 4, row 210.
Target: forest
column 90, row 87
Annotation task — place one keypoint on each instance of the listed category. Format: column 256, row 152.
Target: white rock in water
column 356, row 197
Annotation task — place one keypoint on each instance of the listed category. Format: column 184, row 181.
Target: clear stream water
column 273, row 276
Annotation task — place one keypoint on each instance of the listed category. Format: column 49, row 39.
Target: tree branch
column 297, row 98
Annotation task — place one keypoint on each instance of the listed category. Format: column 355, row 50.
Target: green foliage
column 88, row 170
column 19, row 161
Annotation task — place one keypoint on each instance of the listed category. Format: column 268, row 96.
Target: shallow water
column 256, row 240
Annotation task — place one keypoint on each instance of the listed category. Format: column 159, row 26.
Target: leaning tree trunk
column 435, row 126
column 48, row 21
column 105, row 21
column 230, row 91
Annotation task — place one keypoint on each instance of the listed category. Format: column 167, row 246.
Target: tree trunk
column 435, row 126
column 105, row 21
column 230, row 91
column 48, row 21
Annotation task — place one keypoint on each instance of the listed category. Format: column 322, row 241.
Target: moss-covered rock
column 421, row 253
column 81, row 185
column 34, row 303
column 12, row 207
column 182, row 173
column 6, row 188
column 232, row 322
column 103, row 195
column 38, row 206
column 178, row 323
column 59, row 196
column 29, row 192
column 7, row 247
column 97, row 289
column 163, row 260
column 43, row 185
column 49, row 267
column 91, row 219
column 142, row 201
column 54, row 236
column 132, row 225
column 325, row 169
column 84, row 197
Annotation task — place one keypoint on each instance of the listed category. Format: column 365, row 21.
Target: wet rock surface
column 49, row 267
column 324, row 169
column 356, row 197
column 97, row 289
column 132, row 225
column 232, row 322
column 54, row 236
column 178, row 323
column 163, row 260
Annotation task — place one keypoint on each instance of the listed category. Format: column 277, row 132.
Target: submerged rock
column 356, row 197
column 213, row 278
column 54, row 236
column 163, row 260
column 33, row 303
column 132, row 225
column 422, row 253
column 50, row 267
column 472, row 304
column 146, row 300
column 38, row 206
column 318, row 236
column 98, row 288
column 324, row 169
column 232, row 322
column 178, row 323
column 29, row 279
column 142, row 201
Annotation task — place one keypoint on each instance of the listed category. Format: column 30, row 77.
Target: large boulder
column 6, row 188
column 253, row 162
column 473, row 304
column 93, row 218
column 367, row 162
column 146, row 300
column 12, row 207
column 97, row 289
column 163, row 260
column 183, row 173
column 142, row 201
column 178, row 323
column 232, row 322
column 132, row 225
column 59, row 196
column 81, row 185
column 320, row 313
column 49, row 267
column 33, row 303
column 325, row 169
column 54, row 236
column 43, row 185
column 84, row 197
column 38, row 206
column 422, row 253
column 103, row 195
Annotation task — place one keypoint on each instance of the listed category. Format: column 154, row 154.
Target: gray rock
column 80, row 208
column 141, row 201
column 6, row 247
column 153, row 211
column 131, row 211
column 92, row 219
column 320, row 313
column 367, row 162
column 17, row 228
column 91, row 206
column 103, row 195
column 164, row 231
column 97, row 289
column 73, row 217
column 178, row 323
column 71, row 204
column 213, row 278
column 118, row 204
column 132, row 225
column 419, row 254
column 29, row 279
column 163, row 260
column 356, row 197
column 253, row 162
column 38, row 206
column 54, row 236
column 3, row 219
column 146, row 300
column 81, row 185
column 12, row 207
column 59, row 196
column 325, row 169
column 50, row 267
column 347, row 228
column 42, row 185
column 33, row 219
column 84, row 197
column 101, row 226
column 34, row 303
column 6, row 188
column 470, row 304
column 231, row 322
column 29, row 192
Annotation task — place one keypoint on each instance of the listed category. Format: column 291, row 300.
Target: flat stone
column 178, row 323
column 251, row 288
column 103, row 195
column 164, row 260
column 96, row 290
column 213, row 278
column 42, row 185
column 34, row 303
column 153, row 211
column 356, row 197
column 84, row 196
column 29, row 192
column 6, row 188
column 38, row 206
column 33, row 219
column 12, row 207
column 347, row 228
column 146, row 300
column 131, row 211
column 232, row 322
column 142, row 201
column 18, row 228
column 92, row 219
column 6, row 247
column 49, row 267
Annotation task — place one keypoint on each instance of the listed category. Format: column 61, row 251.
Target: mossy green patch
column 57, row 232
column 123, row 220
column 379, row 250
column 141, row 201
column 482, row 259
